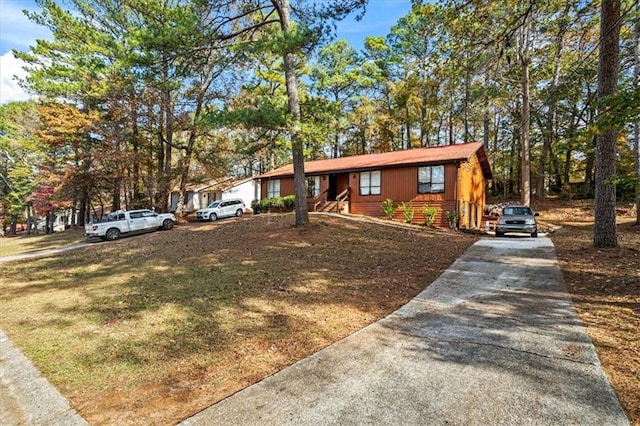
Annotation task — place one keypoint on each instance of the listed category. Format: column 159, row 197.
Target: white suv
column 221, row 208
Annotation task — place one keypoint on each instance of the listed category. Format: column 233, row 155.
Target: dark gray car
column 517, row 219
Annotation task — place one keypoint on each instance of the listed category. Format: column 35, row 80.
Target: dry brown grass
column 153, row 328
column 605, row 287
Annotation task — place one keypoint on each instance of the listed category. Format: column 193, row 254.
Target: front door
column 333, row 187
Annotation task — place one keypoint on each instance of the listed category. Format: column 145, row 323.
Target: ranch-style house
column 451, row 178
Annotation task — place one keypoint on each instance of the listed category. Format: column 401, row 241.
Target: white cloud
column 10, row 71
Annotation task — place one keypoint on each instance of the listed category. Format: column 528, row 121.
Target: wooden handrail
column 320, row 199
column 341, row 197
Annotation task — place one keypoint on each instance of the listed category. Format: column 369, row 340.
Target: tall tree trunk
column 551, row 111
column 605, row 230
column 188, row 153
column 525, row 177
column 525, row 61
column 636, row 126
column 297, row 148
column 407, row 126
column 588, row 189
column 135, row 143
column 467, row 90
column 115, row 196
column 485, row 123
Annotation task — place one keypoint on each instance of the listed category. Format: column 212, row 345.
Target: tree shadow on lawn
column 168, row 314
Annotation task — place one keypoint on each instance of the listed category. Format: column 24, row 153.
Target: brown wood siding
column 286, row 187
column 375, row 210
column 464, row 190
column 472, row 196
column 401, row 184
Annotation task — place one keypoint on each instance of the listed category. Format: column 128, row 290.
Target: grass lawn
column 153, row 328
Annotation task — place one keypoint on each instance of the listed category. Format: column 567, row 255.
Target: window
column 430, row 179
column 370, row 183
column 273, row 188
column 313, row 186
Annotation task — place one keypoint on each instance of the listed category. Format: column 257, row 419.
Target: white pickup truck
column 128, row 222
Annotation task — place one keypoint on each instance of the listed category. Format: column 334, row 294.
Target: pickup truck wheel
column 167, row 224
column 213, row 217
column 113, row 234
column 239, row 212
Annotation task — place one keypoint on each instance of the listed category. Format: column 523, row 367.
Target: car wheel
column 113, row 234
column 534, row 234
column 167, row 224
column 239, row 212
column 213, row 217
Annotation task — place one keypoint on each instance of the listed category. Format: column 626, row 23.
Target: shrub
column 388, row 208
column 265, row 203
column 289, row 202
column 429, row 215
column 276, row 203
column 407, row 211
column 452, row 219
column 256, row 206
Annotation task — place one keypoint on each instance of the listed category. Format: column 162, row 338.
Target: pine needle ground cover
column 153, row 328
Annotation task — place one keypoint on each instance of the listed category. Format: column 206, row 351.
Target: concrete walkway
column 27, row 398
column 41, row 253
column 495, row 340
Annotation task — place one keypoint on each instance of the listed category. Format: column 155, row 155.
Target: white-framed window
column 273, row 188
column 370, row 183
column 430, row 179
column 313, row 186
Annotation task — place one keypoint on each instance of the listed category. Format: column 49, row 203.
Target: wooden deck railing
column 320, row 199
column 342, row 197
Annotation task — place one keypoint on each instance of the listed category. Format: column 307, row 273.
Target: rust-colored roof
column 429, row 155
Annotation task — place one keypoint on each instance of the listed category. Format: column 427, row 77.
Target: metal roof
column 430, row 155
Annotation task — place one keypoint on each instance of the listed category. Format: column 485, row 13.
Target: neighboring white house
column 200, row 196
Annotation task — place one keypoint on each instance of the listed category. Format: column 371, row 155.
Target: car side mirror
column 537, row 214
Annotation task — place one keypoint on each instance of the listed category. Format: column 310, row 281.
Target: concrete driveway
column 495, row 340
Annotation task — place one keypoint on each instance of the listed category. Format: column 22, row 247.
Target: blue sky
column 17, row 32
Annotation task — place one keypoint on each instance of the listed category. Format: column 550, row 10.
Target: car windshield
column 517, row 211
column 214, row 204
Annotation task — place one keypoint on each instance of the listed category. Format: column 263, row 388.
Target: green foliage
column 289, row 202
column 407, row 211
column 429, row 214
column 625, row 186
column 286, row 203
column 19, row 154
column 388, row 208
column 452, row 219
